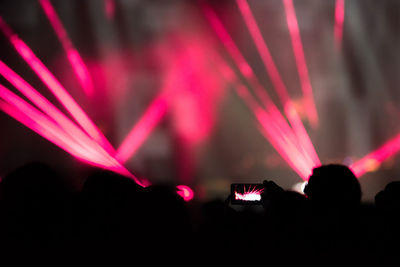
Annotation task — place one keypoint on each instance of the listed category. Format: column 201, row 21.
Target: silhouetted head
column 166, row 210
column 165, row 200
column 389, row 198
column 111, row 207
column 106, row 185
column 34, row 205
column 111, row 194
column 333, row 185
column 34, row 182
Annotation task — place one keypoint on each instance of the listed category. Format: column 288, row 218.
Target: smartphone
column 244, row 194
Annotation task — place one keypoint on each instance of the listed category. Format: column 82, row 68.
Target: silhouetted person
column 333, row 186
column 168, row 223
column 35, row 208
column 286, row 220
column 334, row 194
column 388, row 204
column 388, row 200
column 110, row 214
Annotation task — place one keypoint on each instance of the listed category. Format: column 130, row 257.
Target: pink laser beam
column 339, row 22
column 376, row 157
column 304, row 140
column 47, row 107
column 55, row 87
column 282, row 139
column 263, row 50
column 142, row 129
column 68, row 126
column 279, row 85
column 298, row 50
column 39, row 129
column 50, row 132
column 42, row 125
column 72, row 54
column 237, row 56
column 235, row 53
column 249, row 74
column 289, row 152
column 38, row 122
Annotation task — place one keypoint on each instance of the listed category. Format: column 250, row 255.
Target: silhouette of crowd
column 327, row 225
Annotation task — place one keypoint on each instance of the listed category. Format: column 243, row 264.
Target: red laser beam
column 372, row 161
column 298, row 50
column 277, row 81
column 339, row 22
column 73, row 56
column 142, row 129
column 55, row 87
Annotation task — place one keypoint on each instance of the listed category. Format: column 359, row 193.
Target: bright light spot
column 185, row 192
column 249, row 195
column 372, row 165
column 299, row 187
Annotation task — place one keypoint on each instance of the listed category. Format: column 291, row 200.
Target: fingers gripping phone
column 246, row 194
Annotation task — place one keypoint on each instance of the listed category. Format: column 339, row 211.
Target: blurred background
column 207, row 138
